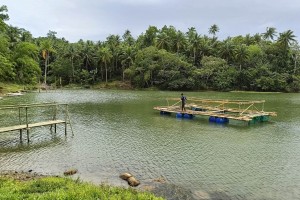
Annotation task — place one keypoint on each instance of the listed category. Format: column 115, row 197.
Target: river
column 118, row 131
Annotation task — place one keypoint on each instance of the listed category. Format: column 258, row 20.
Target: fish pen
column 219, row 111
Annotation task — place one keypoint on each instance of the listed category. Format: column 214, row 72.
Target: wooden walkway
column 27, row 125
column 24, row 126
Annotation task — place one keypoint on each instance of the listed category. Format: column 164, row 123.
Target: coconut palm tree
column 127, row 38
column 286, row 38
column 72, row 53
column 179, row 41
column 127, row 58
column 270, row 33
column 114, row 42
column 195, row 43
column 47, row 49
column 227, row 50
column 162, row 41
column 241, row 54
column 87, row 53
column 213, row 30
column 105, row 55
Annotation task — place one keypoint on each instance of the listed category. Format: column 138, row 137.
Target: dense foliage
column 166, row 58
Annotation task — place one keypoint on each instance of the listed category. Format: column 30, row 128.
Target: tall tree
column 179, row 42
column 72, row 53
column 87, row 53
column 149, row 36
column 195, row 43
column 14, row 35
column 127, row 38
column 47, row 49
column 27, row 68
column 162, row 41
column 127, row 58
column 3, row 17
column 213, row 30
column 105, row 56
column 114, row 42
column 286, row 38
column 270, row 33
column 241, row 54
column 227, row 50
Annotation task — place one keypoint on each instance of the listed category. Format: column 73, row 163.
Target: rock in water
column 132, row 181
column 125, row 176
column 70, row 172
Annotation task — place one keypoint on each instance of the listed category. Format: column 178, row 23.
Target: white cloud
column 95, row 20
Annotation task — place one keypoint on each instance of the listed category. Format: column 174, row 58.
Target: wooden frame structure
column 27, row 125
column 242, row 110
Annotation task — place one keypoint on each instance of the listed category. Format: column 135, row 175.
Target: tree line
column 165, row 58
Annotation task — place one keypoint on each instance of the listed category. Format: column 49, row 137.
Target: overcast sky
column 96, row 19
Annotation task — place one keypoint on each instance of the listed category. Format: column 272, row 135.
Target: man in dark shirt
column 183, row 100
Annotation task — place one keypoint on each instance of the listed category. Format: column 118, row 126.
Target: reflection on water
column 117, row 131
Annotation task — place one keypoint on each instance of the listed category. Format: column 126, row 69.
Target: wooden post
column 65, row 128
column 27, row 128
column 20, row 135
column 20, row 124
column 69, row 120
column 27, row 135
column 19, row 116
column 54, row 128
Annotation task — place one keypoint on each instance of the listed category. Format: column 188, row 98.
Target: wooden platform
column 24, row 126
column 54, row 111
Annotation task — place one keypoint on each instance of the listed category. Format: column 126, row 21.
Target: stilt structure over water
column 219, row 111
column 25, row 122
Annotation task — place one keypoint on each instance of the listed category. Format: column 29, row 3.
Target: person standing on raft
column 183, row 101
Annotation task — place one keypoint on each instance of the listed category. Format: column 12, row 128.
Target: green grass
column 66, row 189
column 12, row 87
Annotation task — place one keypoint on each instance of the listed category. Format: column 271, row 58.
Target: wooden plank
column 23, row 126
column 46, row 123
column 12, row 128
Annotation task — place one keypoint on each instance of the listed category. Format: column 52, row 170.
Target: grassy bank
column 12, row 87
column 43, row 188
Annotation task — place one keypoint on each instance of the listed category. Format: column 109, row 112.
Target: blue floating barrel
column 188, row 116
column 212, row 119
column 221, row 120
column 165, row 113
column 264, row 118
column 179, row 115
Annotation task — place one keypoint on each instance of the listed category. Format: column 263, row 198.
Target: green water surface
column 118, row 131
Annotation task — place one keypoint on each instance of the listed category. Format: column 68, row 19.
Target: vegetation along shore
column 27, row 185
column 163, row 58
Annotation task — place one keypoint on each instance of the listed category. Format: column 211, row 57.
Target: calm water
column 117, row 131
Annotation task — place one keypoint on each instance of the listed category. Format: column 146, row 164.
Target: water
column 118, row 131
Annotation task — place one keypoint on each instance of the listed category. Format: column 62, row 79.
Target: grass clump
column 47, row 188
column 13, row 87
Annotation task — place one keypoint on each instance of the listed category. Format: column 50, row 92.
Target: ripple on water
column 117, row 131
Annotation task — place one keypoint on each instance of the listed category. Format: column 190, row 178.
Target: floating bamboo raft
column 219, row 110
